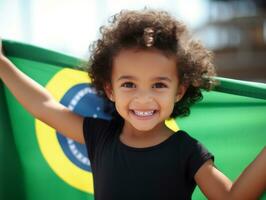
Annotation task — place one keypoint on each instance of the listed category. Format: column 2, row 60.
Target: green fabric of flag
column 37, row 163
column 30, row 176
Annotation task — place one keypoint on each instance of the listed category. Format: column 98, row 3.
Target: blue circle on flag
column 83, row 100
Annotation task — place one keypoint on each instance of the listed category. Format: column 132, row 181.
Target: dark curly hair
column 147, row 29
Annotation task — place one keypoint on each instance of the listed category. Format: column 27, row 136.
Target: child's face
column 145, row 87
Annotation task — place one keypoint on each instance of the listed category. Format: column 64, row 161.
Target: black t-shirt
column 164, row 171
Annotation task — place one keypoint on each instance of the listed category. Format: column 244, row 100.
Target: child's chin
column 143, row 128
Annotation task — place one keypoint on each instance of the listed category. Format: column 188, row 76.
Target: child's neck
column 141, row 139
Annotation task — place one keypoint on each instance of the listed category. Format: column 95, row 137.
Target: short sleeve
column 198, row 156
column 94, row 130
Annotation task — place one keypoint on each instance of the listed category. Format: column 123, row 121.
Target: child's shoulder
column 92, row 124
column 184, row 135
column 189, row 142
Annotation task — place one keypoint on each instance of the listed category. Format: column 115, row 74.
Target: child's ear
column 109, row 91
column 180, row 92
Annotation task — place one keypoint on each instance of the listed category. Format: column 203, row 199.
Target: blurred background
column 234, row 29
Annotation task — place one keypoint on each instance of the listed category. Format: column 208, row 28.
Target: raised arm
column 39, row 102
column 250, row 184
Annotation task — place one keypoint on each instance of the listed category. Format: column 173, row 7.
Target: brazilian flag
column 36, row 162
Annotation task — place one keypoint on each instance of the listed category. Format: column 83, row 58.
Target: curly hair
column 147, row 29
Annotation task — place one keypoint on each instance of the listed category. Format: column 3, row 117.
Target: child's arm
column 250, row 184
column 39, row 102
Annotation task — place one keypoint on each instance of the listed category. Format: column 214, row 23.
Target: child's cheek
column 168, row 99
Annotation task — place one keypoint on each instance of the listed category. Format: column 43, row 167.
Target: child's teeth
column 144, row 113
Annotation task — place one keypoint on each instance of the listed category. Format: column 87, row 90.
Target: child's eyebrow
column 126, row 78
column 159, row 78
column 162, row 78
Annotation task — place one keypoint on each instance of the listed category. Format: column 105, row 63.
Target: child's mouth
column 147, row 113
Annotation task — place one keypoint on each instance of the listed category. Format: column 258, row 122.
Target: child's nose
column 143, row 96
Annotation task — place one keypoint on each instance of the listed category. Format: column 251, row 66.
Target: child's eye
column 159, row 85
column 128, row 85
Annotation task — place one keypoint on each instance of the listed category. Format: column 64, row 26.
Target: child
column 146, row 65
